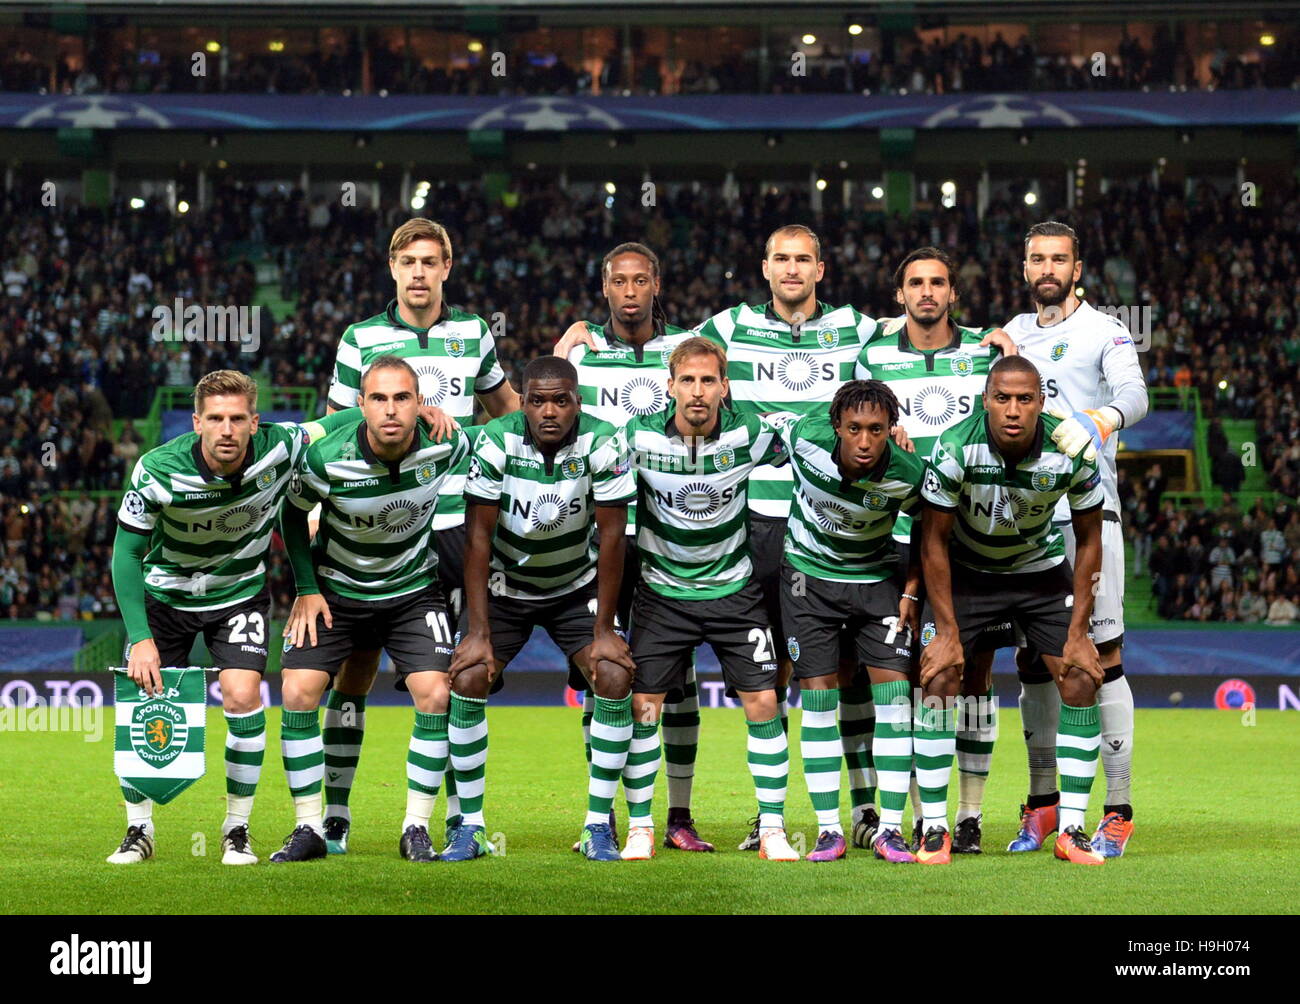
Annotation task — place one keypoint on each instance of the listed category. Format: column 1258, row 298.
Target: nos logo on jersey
column 265, row 480
column 158, row 732
column 426, row 472
column 792, row 643
column 1058, row 350
column 1043, row 482
column 725, row 459
column 573, row 468
column 455, row 346
column 927, row 633
column 828, row 337
column 962, row 364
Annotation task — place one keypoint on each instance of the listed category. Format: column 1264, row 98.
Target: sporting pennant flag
column 159, row 739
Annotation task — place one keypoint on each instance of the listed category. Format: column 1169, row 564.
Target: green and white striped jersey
column 209, row 534
column 936, row 388
column 775, row 366
column 693, row 530
column 455, row 359
column 840, row 530
column 545, row 541
column 376, row 517
column 1004, row 512
column 618, row 381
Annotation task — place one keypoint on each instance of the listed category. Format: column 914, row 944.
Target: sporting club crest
column 962, row 364
column 792, row 643
column 158, row 732
column 1058, row 350
column 725, row 459
column 265, row 480
column 573, row 468
column 927, row 633
column 426, row 472
column 1043, row 481
column 828, row 337
column 455, row 346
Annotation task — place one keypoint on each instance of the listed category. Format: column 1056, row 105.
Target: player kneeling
column 992, row 483
column 539, row 482
column 693, row 461
column 844, row 600
column 371, row 577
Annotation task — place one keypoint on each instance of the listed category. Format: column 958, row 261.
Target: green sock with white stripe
column 344, row 729
column 611, row 735
column 639, row 773
column 245, row 750
column 819, row 745
column 681, row 738
column 304, row 763
column 768, row 753
column 892, row 749
column 588, row 709
column 934, row 740
column 975, row 752
column 468, row 738
column 426, row 764
column 857, row 725
column 1078, row 740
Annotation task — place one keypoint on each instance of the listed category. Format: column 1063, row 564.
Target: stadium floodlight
column 417, row 202
column 1267, row 39
column 610, row 187
column 1031, row 198
column 855, row 29
column 821, row 184
column 948, row 188
column 213, row 46
column 275, row 45
column 809, row 39
column 475, row 46
column 877, row 192
column 137, row 203
column 182, row 206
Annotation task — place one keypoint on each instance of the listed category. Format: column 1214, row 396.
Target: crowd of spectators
column 898, row 64
column 79, row 360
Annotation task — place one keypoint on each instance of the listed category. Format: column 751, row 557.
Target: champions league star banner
column 705, row 113
column 159, row 739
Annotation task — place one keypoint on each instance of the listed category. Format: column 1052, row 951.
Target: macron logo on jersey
column 386, row 346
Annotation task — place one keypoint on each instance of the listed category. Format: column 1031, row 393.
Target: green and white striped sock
column 639, row 773
column 934, row 740
column 975, row 752
column 769, row 763
column 245, row 750
column 468, row 737
column 426, row 764
column 304, row 763
column 611, row 736
column 857, row 725
column 588, row 709
column 681, row 734
column 819, row 745
column 892, row 749
column 345, row 728
column 1078, row 739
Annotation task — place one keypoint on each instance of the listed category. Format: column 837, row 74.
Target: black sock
column 1124, row 810
column 1042, row 801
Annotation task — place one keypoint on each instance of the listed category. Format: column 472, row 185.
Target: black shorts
column 1038, row 605
column 631, row 576
column 450, row 545
column 414, row 628
column 992, row 638
column 766, row 547
column 824, row 620
column 236, row 635
column 666, row 632
column 570, row 620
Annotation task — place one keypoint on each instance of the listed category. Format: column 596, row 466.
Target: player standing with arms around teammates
column 622, row 373
column 454, row 356
column 370, row 578
column 543, row 482
column 938, row 368
column 843, row 594
column 693, row 461
column 193, row 533
column 1091, row 373
column 991, row 486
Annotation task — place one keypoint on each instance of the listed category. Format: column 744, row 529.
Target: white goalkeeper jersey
column 1087, row 360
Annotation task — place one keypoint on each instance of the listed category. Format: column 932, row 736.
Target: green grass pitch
column 1214, row 798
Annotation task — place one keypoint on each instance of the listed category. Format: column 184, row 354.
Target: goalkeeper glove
column 1085, row 431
